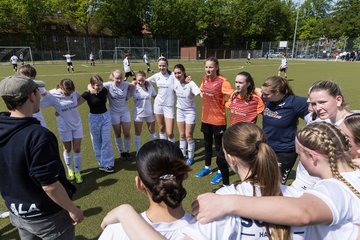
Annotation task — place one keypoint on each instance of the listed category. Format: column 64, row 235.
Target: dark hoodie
column 29, row 159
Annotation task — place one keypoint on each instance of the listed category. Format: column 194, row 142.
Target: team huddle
column 323, row 202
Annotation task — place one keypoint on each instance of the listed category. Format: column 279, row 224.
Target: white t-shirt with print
column 234, row 227
column 170, row 230
column 142, row 100
column 344, row 206
column 118, row 96
column 126, row 65
column 66, row 107
column 14, row 59
column 165, row 86
column 68, row 57
column 185, row 95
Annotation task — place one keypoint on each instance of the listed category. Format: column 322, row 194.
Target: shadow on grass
column 290, row 79
column 8, row 232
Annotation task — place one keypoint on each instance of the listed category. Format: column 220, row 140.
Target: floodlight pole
column 296, row 24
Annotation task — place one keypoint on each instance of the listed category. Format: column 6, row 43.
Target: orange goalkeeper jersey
column 213, row 103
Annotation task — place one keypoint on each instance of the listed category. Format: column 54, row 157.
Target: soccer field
column 100, row 192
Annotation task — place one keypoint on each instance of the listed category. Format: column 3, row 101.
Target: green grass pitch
column 101, row 192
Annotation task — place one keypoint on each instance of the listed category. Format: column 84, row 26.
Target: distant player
column 283, row 66
column 248, row 61
column 21, row 58
column 14, row 59
column 127, row 68
column 68, row 57
column 147, row 62
column 92, row 59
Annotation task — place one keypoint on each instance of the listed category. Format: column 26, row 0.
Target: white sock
column 172, row 140
column 207, row 167
column 77, row 161
column 119, row 144
column 127, row 144
column 163, row 136
column 191, row 148
column 154, row 136
column 183, row 146
column 137, row 142
column 68, row 159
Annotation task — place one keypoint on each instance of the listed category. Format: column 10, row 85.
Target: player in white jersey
column 161, row 172
column 118, row 94
column 92, row 59
column 69, row 63
column 143, row 112
column 127, row 69
column 30, row 72
column 64, row 99
column 283, row 66
column 164, row 101
column 147, row 62
column 328, row 104
column 14, row 59
column 248, row 156
column 185, row 111
column 330, row 209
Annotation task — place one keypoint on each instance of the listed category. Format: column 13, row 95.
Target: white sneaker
column 4, row 214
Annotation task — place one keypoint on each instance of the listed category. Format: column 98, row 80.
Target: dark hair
column 277, row 83
column 67, row 85
column 96, row 79
column 27, row 70
column 162, row 169
column 216, row 61
column 167, row 63
column 12, row 104
column 181, row 67
column 250, row 89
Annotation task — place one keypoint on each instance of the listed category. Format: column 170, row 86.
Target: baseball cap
column 18, row 86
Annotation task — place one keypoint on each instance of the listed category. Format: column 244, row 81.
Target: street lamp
column 296, row 24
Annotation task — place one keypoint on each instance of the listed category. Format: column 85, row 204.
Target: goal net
column 136, row 53
column 6, row 52
column 106, row 55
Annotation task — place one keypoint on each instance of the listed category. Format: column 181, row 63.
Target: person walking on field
column 33, row 181
column 69, row 63
column 147, row 62
column 127, row 69
column 283, row 66
column 14, row 59
column 92, row 59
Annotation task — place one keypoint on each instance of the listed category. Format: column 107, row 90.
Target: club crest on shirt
column 272, row 114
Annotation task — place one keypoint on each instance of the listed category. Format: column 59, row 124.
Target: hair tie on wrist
column 257, row 144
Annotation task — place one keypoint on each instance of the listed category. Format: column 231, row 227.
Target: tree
column 346, row 20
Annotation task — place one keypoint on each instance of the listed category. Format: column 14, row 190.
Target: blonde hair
column 327, row 139
column 111, row 77
column 247, row 141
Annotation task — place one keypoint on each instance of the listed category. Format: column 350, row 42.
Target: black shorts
column 216, row 130
column 69, row 63
column 283, row 70
column 15, row 65
column 128, row 74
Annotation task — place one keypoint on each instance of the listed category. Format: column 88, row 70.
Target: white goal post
column 136, row 53
column 7, row 51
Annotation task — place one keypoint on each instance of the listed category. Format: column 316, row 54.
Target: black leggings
column 212, row 132
column 286, row 163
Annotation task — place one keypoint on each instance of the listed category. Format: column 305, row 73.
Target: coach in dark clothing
column 32, row 178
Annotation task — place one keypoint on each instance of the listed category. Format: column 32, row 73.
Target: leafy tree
column 346, row 19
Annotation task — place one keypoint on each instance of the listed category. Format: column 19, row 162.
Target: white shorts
column 187, row 116
column 68, row 136
column 168, row 112
column 117, row 118
column 147, row 119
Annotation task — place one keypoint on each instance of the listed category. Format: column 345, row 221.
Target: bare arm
column 305, row 210
column 133, row 224
column 80, row 101
column 57, row 193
